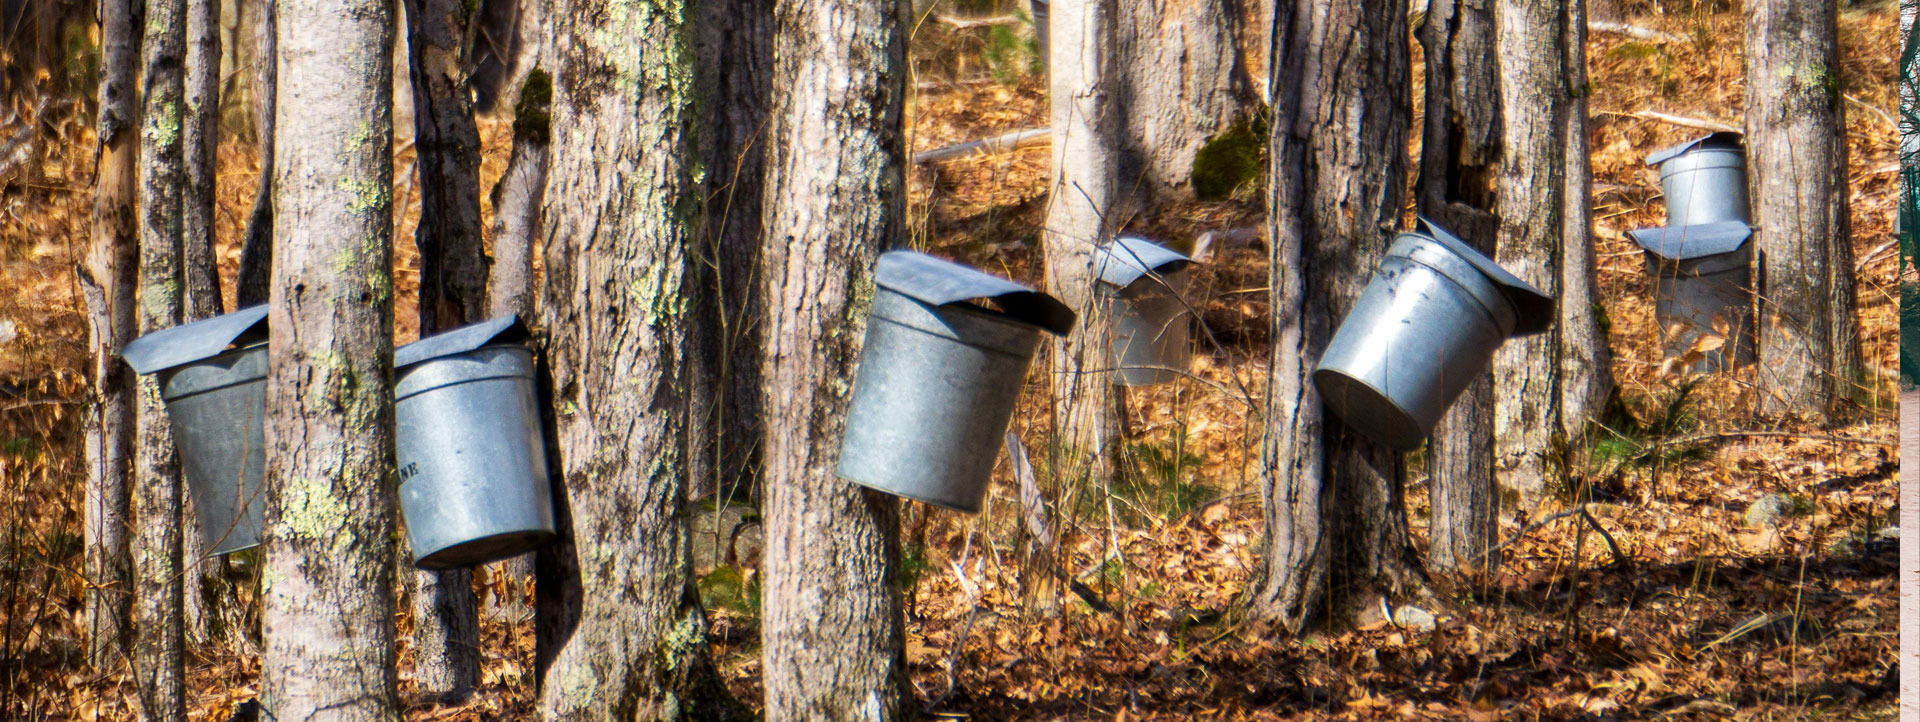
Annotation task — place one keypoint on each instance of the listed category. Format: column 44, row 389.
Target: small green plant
column 1665, row 80
column 913, row 564
column 1157, row 479
column 1229, row 161
column 728, row 587
column 1010, row 54
column 1625, row 438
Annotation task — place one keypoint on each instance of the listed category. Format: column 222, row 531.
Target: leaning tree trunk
column 453, row 293
column 1080, row 208
column 1177, row 82
column 1337, row 539
column 833, row 636
column 256, row 242
column 159, row 601
column 1797, row 155
column 628, row 637
column 327, row 590
column 207, row 591
column 1458, row 164
column 1546, row 383
column 108, row 282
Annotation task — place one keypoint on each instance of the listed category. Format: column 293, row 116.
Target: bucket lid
column 1129, row 258
column 190, row 342
column 1688, row 243
column 939, row 282
column 1532, row 309
column 1723, row 140
column 503, row 329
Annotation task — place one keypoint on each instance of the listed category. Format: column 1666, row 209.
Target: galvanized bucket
column 1703, row 283
column 213, row 377
column 1424, row 327
column 473, row 465
column 1705, row 180
column 938, row 378
column 1142, row 282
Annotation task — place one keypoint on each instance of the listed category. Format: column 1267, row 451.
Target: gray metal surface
column 933, row 394
column 1425, row 326
column 1703, row 284
column 940, row 282
column 190, row 342
column 473, row 468
column 218, row 408
column 1533, row 310
column 502, row 329
column 1143, row 283
column 1705, row 180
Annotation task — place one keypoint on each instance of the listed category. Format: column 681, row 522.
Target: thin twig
column 1884, row 115
column 953, row 658
column 1612, row 546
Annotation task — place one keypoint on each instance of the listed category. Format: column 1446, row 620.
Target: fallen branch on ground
column 964, row 23
column 1697, row 438
column 1580, row 511
column 1633, row 31
column 997, row 144
column 1685, row 122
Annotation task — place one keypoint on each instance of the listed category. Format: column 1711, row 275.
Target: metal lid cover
column 1723, row 140
column 1532, row 309
column 939, row 282
column 503, row 329
column 1129, row 258
column 1687, row 243
column 197, row 341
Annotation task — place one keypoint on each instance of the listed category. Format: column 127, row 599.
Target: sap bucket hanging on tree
column 1703, row 289
column 473, row 462
column 939, row 376
column 1705, row 180
column 1425, row 326
column 213, row 377
column 1143, row 281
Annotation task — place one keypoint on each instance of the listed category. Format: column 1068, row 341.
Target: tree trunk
column 1178, row 83
column 1586, row 362
column 1080, row 211
column 628, row 641
column 109, row 281
column 1337, row 537
column 1797, row 160
column 256, row 246
column 453, row 293
column 158, row 613
column 833, row 634
column 736, row 48
column 1544, row 382
column 1909, row 501
column 327, row 589
column 207, row 591
column 1458, row 166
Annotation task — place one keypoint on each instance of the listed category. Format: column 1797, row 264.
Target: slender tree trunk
column 1586, row 362
column 108, row 281
column 327, row 590
column 1909, row 550
column 628, row 639
column 158, row 613
column 1458, row 167
column 1337, row 537
column 1178, row 82
column 1797, row 161
column 256, row 249
column 453, row 292
column 833, row 634
column 206, row 588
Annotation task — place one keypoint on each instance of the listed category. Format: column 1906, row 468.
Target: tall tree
column 256, row 243
column 834, row 637
column 1337, row 539
column 327, row 589
column 1548, row 385
column 108, row 280
column 159, row 602
column 453, row 293
column 623, row 635
column 206, row 594
column 1459, row 162
column 1178, row 82
column 1797, row 160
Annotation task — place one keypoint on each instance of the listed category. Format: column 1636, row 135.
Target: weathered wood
column 256, row 243
column 208, row 595
column 833, row 631
column 328, row 584
column 1175, row 80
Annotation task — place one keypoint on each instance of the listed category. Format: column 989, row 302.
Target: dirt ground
column 1682, row 610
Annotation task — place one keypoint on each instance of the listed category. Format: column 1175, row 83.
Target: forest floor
column 1683, row 610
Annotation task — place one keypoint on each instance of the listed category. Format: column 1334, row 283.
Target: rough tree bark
column 1458, row 164
column 108, row 280
column 622, row 634
column 833, row 634
column 1337, row 539
column 327, row 589
column 1797, row 161
column 453, row 293
column 159, row 604
column 256, row 245
column 1177, row 82
column 206, row 589
column 1546, row 384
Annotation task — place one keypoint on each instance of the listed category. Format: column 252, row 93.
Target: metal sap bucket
column 938, row 378
column 1422, row 330
column 213, row 378
column 1705, row 180
column 1143, row 281
column 1703, row 279
column 467, row 436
